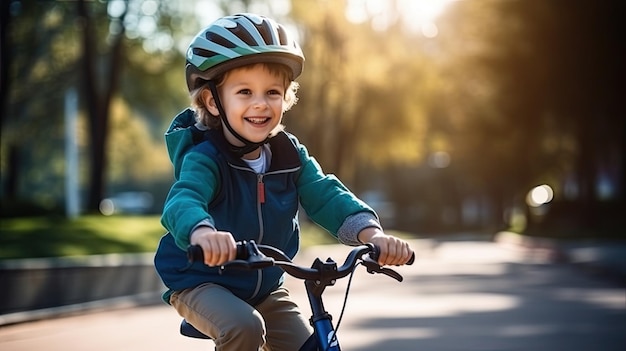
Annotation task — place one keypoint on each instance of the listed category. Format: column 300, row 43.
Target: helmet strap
column 248, row 146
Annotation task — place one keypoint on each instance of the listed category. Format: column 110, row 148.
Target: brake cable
column 343, row 307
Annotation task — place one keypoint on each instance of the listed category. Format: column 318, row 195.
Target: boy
column 239, row 176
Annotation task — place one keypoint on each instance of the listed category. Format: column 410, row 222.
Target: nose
column 261, row 102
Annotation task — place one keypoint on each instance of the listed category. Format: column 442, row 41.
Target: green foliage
column 90, row 235
column 530, row 96
column 515, row 92
column 135, row 155
column 87, row 235
column 364, row 94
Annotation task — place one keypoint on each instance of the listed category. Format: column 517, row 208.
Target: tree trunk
column 98, row 103
column 5, row 56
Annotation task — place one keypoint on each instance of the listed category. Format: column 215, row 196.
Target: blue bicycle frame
column 321, row 320
column 316, row 279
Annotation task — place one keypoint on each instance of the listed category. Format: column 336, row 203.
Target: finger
column 232, row 249
column 411, row 255
column 207, row 252
column 408, row 253
column 399, row 253
column 393, row 253
column 382, row 255
column 224, row 252
column 405, row 256
column 213, row 257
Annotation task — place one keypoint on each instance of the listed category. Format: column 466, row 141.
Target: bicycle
column 321, row 275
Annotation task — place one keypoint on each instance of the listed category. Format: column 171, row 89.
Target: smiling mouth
column 258, row 120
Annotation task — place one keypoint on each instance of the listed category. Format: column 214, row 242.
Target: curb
column 144, row 299
column 41, row 288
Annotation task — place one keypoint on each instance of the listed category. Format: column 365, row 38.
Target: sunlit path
column 457, row 296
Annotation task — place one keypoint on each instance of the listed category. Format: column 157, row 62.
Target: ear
column 209, row 102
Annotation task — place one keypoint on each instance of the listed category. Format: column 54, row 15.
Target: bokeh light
column 539, row 195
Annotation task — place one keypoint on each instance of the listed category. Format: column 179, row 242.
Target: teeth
column 257, row 120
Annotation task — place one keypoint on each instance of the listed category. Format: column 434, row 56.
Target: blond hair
column 213, row 122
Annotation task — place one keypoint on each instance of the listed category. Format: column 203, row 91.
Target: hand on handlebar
column 393, row 250
column 217, row 247
column 250, row 256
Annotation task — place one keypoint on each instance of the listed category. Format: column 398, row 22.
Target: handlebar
column 251, row 256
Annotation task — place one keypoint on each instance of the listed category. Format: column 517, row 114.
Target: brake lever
column 252, row 263
column 249, row 257
column 373, row 267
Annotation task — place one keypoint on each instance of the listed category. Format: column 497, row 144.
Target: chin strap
column 248, row 146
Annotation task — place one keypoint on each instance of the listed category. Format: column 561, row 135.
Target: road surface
column 459, row 295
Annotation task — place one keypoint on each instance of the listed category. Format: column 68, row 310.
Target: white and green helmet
column 239, row 40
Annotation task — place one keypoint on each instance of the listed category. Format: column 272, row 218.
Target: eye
column 244, row 92
column 275, row 92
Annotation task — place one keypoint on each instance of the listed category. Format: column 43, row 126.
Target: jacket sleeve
column 186, row 205
column 329, row 203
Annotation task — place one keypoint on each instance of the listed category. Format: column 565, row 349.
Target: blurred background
column 447, row 116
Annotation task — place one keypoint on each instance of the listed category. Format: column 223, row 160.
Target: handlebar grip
column 195, row 253
column 411, row 260
column 375, row 253
column 247, row 257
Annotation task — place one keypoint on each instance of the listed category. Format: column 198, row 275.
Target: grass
column 91, row 235
column 87, row 235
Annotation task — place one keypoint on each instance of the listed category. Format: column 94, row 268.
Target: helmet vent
column 265, row 29
column 203, row 53
column 282, row 35
column 218, row 39
column 243, row 34
column 238, row 40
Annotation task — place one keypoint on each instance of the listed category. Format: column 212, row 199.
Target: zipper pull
column 261, row 189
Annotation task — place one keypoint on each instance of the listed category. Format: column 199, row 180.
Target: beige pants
column 275, row 324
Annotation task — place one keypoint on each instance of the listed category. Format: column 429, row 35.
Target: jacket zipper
column 260, row 186
column 260, row 201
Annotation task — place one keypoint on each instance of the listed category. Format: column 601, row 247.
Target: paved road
column 458, row 296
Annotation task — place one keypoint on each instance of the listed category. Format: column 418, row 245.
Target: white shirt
column 261, row 164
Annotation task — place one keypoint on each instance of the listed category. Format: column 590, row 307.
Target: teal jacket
column 213, row 187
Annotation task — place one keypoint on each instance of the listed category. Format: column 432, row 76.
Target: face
column 253, row 99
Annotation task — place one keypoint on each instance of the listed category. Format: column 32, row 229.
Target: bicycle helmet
column 239, row 40
column 235, row 41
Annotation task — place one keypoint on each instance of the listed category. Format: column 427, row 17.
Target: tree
column 98, row 101
column 358, row 103
column 541, row 97
column 37, row 68
column 45, row 60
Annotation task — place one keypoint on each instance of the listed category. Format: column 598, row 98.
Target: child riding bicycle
column 240, row 176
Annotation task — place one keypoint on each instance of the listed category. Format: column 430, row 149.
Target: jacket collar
column 284, row 152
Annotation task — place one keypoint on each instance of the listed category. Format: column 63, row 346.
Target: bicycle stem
column 321, row 320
